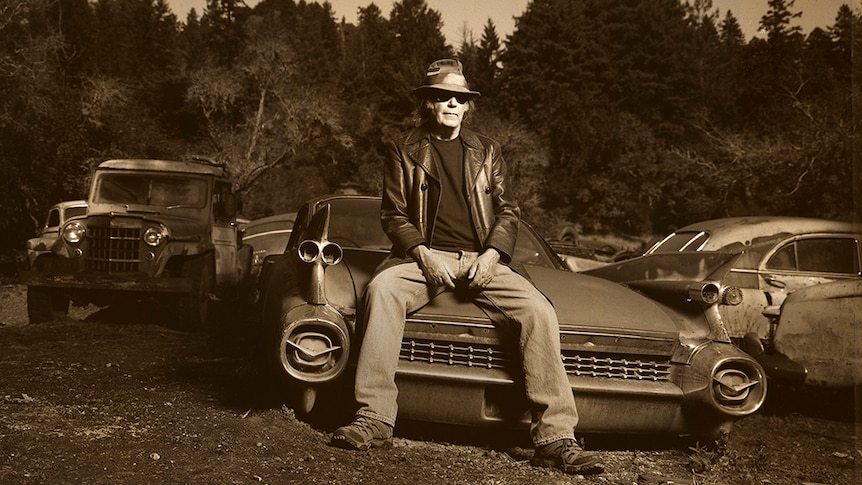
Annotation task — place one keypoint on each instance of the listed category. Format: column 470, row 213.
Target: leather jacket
column 411, row 194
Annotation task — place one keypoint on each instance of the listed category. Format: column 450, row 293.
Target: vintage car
column 153, row 228
column 779, row 255
column 267, row 235
column 49, row 234
column 814, row 338
column 652, row 360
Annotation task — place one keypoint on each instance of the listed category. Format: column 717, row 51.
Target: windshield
column 356, row 223
column 75, row 211
column 153, row 189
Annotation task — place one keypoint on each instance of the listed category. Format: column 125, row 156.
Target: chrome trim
column 563, row 331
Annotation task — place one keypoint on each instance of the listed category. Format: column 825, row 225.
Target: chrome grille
column 496, row 357
column 487, row 356
column 113, row 249
column 615, row 368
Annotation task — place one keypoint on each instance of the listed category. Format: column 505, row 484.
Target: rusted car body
column 153, row 228
column 814, row 339
column 49, row 234
column 799, row 314
column 779, row 255
column 636, row 364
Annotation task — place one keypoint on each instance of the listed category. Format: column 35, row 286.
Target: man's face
column 448, row 109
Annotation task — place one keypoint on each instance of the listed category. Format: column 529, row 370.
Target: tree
column 599, row 78
column 419, row 40
column 481, row 63
column 727, row 73
column 264, row 116
column 38, row 111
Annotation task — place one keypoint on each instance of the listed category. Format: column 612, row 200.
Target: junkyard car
column 49, row 234
column 153, row 228
column 636, row 364
column 267, row 235
column 776, row 258
column 779, row 255
column 814, row 338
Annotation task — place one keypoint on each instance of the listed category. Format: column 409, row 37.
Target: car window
column 821, row 255
column 53, row 218
column 530, row 249
column 75, row 211
column 682, row 241
column 784, row 258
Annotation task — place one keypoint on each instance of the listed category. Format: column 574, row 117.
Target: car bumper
column 490, row 397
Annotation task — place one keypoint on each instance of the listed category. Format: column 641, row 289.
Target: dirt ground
column 116, row 396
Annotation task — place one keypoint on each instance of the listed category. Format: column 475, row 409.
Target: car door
column 224, row 233
column 808, row 260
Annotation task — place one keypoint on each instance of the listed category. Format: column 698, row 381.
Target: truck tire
column 193, row 309
column 44, row 305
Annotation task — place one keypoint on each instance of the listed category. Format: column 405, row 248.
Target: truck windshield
column 150, row 189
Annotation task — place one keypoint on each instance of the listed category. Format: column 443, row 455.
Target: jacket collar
column 418, row 146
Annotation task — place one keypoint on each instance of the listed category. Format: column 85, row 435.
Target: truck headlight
column 74, row 231
column 154, row 235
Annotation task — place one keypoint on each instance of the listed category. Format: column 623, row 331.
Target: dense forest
column 622, row 116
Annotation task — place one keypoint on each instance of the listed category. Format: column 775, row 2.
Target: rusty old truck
column 154, row 229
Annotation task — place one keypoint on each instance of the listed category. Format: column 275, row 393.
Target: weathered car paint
column 756, row 239
column 819, row 328
column 49, row 234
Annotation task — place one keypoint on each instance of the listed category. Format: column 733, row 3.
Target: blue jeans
column 509, row 299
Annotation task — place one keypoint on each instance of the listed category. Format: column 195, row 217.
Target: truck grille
column 113, row 249
column 496, row 357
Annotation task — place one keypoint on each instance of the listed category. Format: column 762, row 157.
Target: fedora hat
column 445, row 75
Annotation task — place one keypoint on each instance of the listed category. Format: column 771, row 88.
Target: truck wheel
column 44, row 305
column 193, row 309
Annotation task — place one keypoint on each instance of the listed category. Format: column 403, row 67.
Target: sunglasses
column 445, row 97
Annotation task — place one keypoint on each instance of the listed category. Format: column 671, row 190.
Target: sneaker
column 566, row 455
column 362, row 433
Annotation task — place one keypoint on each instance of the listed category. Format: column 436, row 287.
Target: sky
column 474, row 14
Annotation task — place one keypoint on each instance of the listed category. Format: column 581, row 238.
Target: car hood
column 590, row 302
column 581, row 301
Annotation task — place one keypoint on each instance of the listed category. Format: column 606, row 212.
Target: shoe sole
column 589, row 468
column 345, row 443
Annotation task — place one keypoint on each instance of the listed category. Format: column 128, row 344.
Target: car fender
column 819, row 328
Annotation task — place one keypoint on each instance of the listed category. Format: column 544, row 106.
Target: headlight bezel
column 74, row 232
column 155, row 235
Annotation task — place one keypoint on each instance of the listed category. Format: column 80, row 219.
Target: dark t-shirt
column 453, row 229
